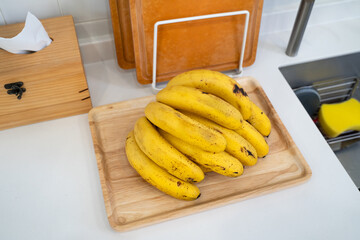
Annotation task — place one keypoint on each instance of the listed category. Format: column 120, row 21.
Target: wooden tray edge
column 305, row 176
column 98, row 156
column 253, row 80
column 209, row 206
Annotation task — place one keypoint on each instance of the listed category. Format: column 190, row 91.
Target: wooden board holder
column 54, row 77
column 213, row 43
column 121, row 22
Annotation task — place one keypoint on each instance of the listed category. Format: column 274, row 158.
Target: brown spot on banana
column 190, row 157
column 238, row 89
column 250, row 153
column 217, row 130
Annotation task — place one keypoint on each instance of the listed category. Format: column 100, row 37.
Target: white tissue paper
column 31, row 39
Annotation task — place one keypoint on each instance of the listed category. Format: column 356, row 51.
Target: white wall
column 279, row 15
column 92, row 17
column 13, row 11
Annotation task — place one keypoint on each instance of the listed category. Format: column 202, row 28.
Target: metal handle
column 301, row 21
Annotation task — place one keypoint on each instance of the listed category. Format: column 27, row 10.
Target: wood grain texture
column 132, row 203
column 53, row 77
column 211, row 43
column 121, row 22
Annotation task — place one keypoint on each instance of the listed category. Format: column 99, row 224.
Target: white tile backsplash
column 93, row 29
column 281, row 17
column 15, row 11
column 85, row 10
column 93, row 21
column 272, row 6
column 2, row 21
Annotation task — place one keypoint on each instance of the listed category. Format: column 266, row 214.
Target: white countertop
column 50, row 188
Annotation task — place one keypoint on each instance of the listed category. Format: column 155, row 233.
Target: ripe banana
column 248, row 132
column 183, row 127
column 218, row 84
column 259, row 120
column 236, row 145
column 222, row 162
column 157, row 176
column 202, row 103
column 204, row 169
column 163, row 154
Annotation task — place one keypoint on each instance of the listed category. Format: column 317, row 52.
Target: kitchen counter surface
column 49, row 180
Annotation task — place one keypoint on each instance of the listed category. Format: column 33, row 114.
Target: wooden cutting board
column 132, row 203
column 53, row 77
column 210, row 43
column 121, row 22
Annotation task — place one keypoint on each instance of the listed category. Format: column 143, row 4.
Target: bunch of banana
column 221, row 162
column 202, row 121
column 236, row 145
column 157, row 176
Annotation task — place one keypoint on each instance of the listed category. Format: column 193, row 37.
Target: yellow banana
column 157, row 176
column 259, row 120
column 236, row 145
column 202, row 103
column 163, row 154
column 248, row 132
column 222, row 162
column 183, row 127
column 218, row 84
column 204, row 169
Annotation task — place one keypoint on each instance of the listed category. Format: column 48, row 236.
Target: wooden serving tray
column 210, row 43
column 132, row 203
column 54, row 77
column 121, row 22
